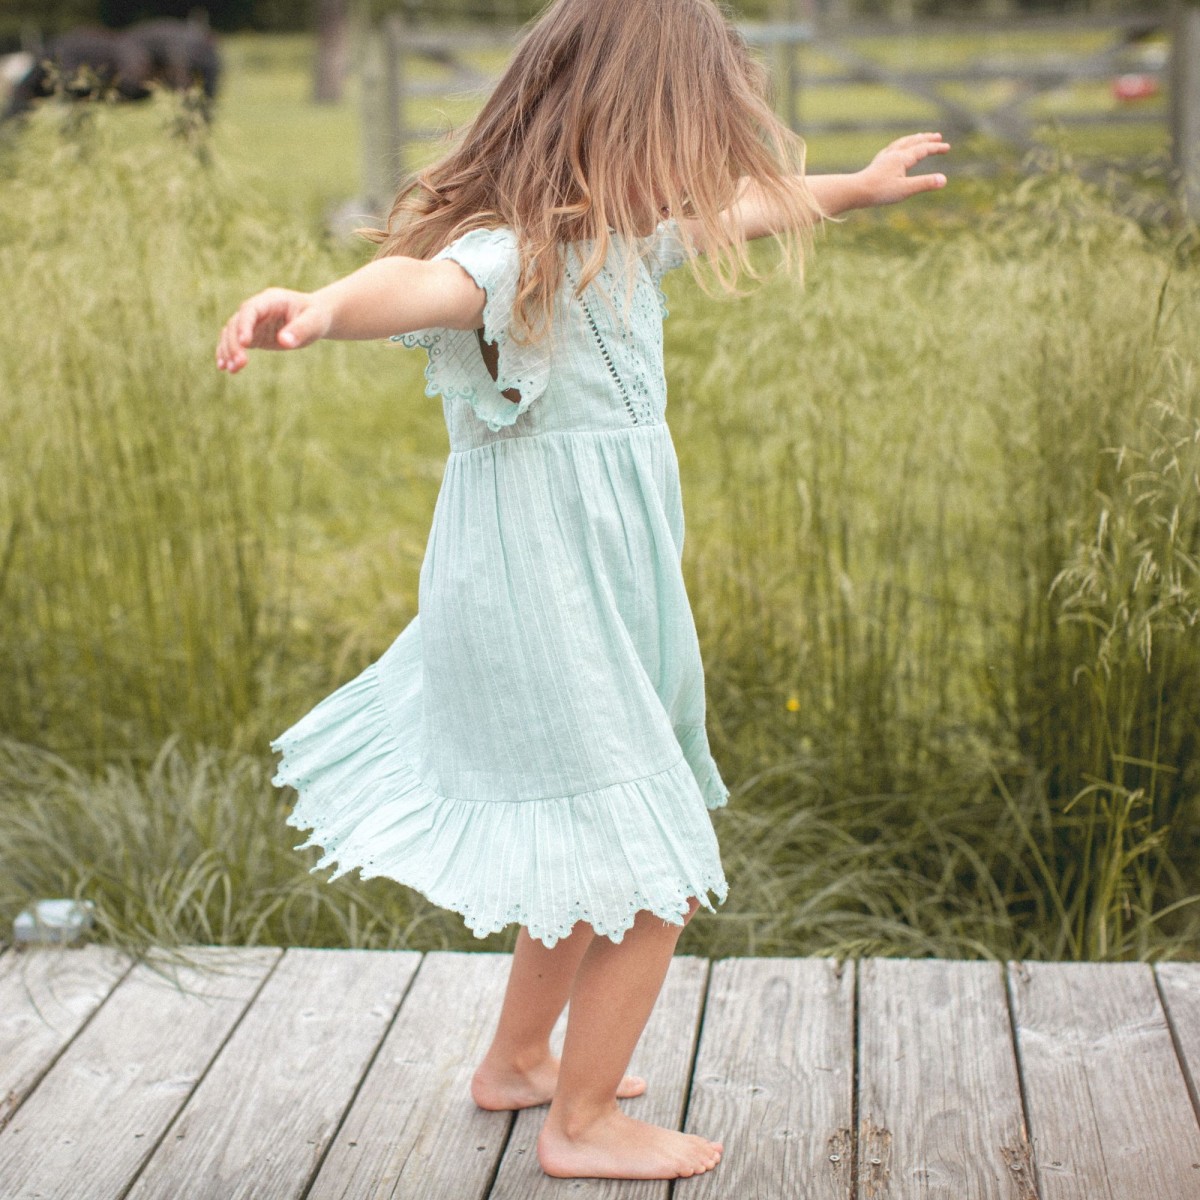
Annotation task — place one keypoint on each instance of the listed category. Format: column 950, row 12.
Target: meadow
column 943, row 548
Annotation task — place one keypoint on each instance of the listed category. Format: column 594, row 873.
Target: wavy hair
column 611, row 115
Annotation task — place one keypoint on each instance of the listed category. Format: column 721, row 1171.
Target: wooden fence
column 388, row 83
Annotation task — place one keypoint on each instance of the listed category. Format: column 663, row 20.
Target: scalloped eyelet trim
column 455, row 369
column 370, row 810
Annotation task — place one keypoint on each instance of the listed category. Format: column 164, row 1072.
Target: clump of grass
column 187, row 849
column 908, row 588
column 145, row 504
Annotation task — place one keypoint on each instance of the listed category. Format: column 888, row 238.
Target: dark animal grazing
column 181, row 53
column 86, row 60
column 175, row 54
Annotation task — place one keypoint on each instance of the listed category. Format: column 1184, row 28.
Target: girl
column 531, row 748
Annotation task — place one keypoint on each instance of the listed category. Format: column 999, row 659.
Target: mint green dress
column 531, row 748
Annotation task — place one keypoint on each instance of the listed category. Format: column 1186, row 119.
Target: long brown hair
column 611, row 115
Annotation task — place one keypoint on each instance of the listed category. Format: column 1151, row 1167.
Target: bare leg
column 518, row 1070
column 586, row 1133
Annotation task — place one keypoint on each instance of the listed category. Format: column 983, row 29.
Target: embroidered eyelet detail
column 645, row 320
column 604, row 353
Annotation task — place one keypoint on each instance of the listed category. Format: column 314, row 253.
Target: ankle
column 572, row 1121
column 520, row 1059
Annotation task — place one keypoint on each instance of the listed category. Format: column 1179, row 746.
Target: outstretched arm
column 885, row 180
column 388, row 295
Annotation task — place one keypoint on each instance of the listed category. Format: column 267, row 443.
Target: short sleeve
column 456, row 369
column 664, row 250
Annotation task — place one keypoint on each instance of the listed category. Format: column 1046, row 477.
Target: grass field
column 943, row 543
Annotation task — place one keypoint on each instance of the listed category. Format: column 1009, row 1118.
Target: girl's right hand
column 277, row 319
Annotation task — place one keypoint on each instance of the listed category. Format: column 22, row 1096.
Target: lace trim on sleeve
column 456, row 369
column 664, row 250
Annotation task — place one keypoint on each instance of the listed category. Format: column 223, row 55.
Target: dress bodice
column 600, row 367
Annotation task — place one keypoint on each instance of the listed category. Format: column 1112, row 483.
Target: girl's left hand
column 885, row 180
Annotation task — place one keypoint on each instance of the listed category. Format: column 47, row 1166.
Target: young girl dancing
column 531, row 748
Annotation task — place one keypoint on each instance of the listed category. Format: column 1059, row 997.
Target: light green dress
column 532, row 748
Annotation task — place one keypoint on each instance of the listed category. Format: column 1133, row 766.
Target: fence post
column 1185, row 102
column 395, row 132
column 787, row 68
column 333, row 50
column 374, row 183
column 383, row 130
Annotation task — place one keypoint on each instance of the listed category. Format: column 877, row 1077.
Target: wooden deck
column 343, row 1073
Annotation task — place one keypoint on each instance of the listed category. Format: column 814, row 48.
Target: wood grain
column 773, row 1080
column 267, row 1108
column 92, row 1122
column 47, row 994
column 263, row 1073
column 413, row 1130
column 1179, row 984
column 934, row 1123
column 1106, row 1101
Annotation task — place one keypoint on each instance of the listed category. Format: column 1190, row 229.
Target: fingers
column 928, row 148
column 253, row 317
column 917, row 151
column 225, row 347
column 237, row 333
column 304, row 328
column 912, row 185
column 231, row 355
column 247, row 317
column 922, row 151
column 914, row 139
column 927, row 183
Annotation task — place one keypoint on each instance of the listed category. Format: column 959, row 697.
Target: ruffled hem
column 694, row 741
column 600, row 856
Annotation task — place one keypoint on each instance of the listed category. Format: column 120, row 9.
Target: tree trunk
column 333, row 50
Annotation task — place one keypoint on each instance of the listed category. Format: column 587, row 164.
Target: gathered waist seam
column 623, row 432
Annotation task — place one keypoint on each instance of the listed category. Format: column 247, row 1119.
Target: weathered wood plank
column 46, row 995
column 269, row 1105
column 1106, row 1101
column 91, row 1123
column 939, row 1100
column 663, row 1056
column 413, row 1130
column 1179, row 983
column 774, row 1079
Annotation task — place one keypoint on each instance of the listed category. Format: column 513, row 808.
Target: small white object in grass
column 14, row 68
column 53, row 921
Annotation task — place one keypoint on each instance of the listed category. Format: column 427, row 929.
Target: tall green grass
column 146, row 505
column 943, row 520
column 946, row 557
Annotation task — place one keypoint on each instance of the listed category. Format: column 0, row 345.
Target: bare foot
column 501, row 1087
column 616, row 1146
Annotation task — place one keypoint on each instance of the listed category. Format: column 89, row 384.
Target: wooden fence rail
column 388, row 85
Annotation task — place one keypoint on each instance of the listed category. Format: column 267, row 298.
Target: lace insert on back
column 644, row 316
